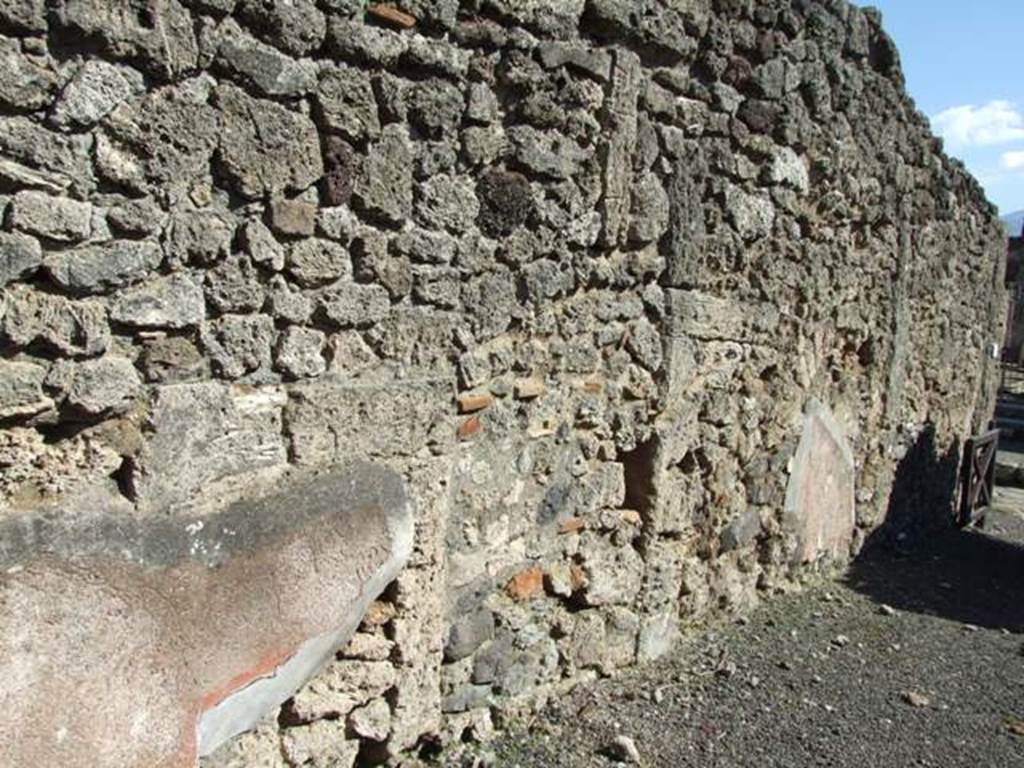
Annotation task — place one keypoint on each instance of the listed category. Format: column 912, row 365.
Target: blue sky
column 964, row 64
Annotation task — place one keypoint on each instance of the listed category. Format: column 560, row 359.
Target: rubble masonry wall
column 580, row 270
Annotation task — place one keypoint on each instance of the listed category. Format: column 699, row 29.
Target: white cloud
column 997, row 122
column 1013, row 161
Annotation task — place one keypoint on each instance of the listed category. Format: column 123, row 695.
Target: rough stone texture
column 575, row 270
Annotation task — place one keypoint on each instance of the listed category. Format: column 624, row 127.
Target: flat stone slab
column 150, row 641
column 820, row 495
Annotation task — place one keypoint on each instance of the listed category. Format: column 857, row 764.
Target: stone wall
column 645, row 300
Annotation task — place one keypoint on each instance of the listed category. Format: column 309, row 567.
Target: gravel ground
column 909, row 660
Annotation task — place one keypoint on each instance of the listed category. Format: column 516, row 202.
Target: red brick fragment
column 391, row 15
column 527, row 584
column 470, row 402
column 469, row 428
column 572, row 525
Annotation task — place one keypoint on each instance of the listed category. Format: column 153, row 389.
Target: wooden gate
column 978, row 479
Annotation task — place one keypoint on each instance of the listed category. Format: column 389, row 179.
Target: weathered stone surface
column 21, row 389
column 263, row 67
column 106, row 384
column 673, row 29
column 172, row 358
column 317, row 261
column 56, row 218
column 447, row 202
column 20, row 255
column 240, row 344
column 25, row 15
column 296, row 27
column 561, row 264
column 58, row 162
column 506, row 202
column 98, row 268
column 321, row 744
column 266, row 149
column 293, row 217
column 28, row 84
column 165, row 139
column 95, row 89
column 67, row 327
column 199, row 237
column 136, row 218
column 820, row 492
column 467, row 633
column 341, row 168
column 261, row 245
column 299, row 353
column 355, row 305
column 384, row 188
column 182, row 647
column 752, row 215
column 161, row 37
column 175, row 301
column 347, row 104
column 362, row 43
column 234, row 286
column 326, row 419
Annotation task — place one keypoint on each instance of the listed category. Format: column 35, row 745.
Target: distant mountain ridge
column 1013, row 223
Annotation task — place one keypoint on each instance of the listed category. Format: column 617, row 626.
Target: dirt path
column 911, row 660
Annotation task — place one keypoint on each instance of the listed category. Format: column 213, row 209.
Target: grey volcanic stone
column 166, row 138
column 650, row 210
column 68, row 327
column 27, row 84
column 24, row 15
column 297, row 27
column 447, row 202
column 67, row 159
column 436, row 107
column 467, row 633
column 752, row 215
column 199, row 238
column 97, row 268
column 673, row 29
column 263, row 67
column 361, row 43
column 160, row 37
column 384, row 188
column 262, row 246
column 240, row 344
column 105, row 384
column 20, row 255
column 57, row 218
column 234, row 286
column 21, row 389
column 266, row 149
column 96, row 88
column 299, row 353
column 175, row 301
column 136, row 217
column 316, row 261
column 347, row 103
column 170, row 359
column 355, row 304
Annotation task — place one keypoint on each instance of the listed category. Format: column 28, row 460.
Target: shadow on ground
column 919, row 561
